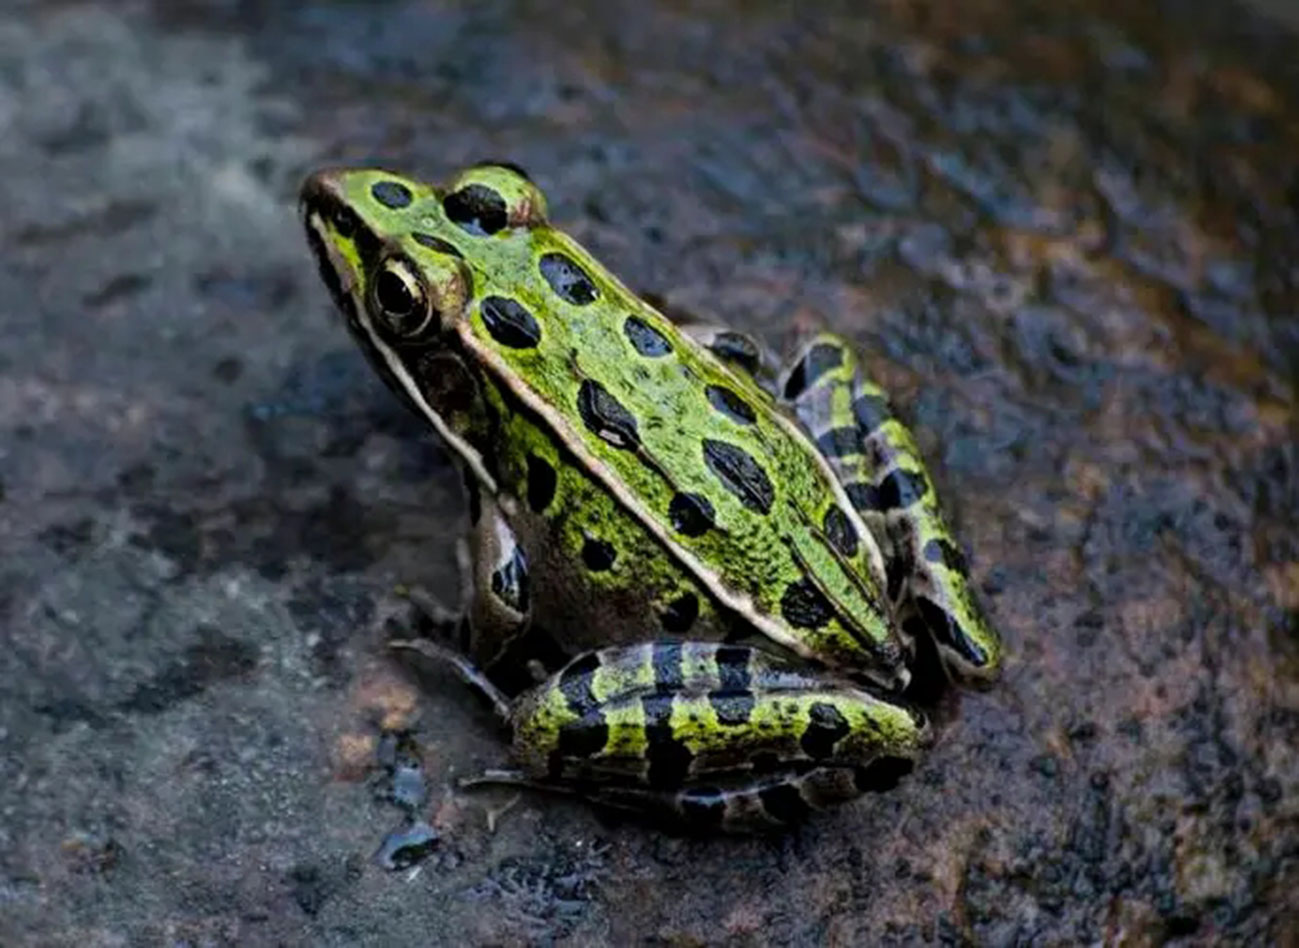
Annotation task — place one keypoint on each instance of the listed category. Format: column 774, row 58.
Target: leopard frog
column 740, row 559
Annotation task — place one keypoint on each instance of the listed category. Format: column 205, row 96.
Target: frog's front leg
column 879, row 463
column 703, row 733
column 500, row 599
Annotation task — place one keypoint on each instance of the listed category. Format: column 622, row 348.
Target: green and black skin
column 642, row 535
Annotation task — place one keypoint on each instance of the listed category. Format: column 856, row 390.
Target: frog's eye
column 401, row 302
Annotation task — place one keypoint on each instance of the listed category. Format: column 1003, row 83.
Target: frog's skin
column 739, row 558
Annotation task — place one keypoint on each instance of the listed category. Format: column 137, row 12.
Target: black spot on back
column 391, row 194
column 509, row 323
column 942, row 550
column 646, row 340
column 784, row 803
column 740, row 474
column 666, row 662
column 541, row 483
column 871, row 411
column 669, row 759
column 691, row 515
column 598, row 555
column 826, row 725
column 840, row 442
column 680, row 614
column 820, row 359
column 732, row 707
column 731, row 405
column 804, row 606
column 575, row 684
column 510, row 582
column 900, row 489
column 436, row 243
column 840, row 531
column 569, row 281
column 476, row 209
column 881, row 774
column 606, row 417
column 738, row 349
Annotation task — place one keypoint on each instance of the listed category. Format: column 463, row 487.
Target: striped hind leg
column 879, row 463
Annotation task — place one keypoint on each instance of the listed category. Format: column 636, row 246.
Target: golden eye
column 400, row 300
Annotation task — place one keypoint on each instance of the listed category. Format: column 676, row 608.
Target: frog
column 742, row 557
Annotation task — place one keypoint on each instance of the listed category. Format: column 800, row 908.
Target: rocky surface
column 1067, row 237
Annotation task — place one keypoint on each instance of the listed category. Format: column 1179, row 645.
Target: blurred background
column 1065, row 235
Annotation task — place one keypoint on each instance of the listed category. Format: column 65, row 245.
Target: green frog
column 740, row 557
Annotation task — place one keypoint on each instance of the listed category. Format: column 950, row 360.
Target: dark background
column 1065, row 234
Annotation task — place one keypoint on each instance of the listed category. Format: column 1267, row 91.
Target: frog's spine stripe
column 886, row 482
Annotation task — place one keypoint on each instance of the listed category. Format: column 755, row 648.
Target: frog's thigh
column 500, row 605
column 708, row 732
column 878, row 461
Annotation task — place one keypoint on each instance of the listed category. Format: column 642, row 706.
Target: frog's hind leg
column 877, row 459
column 705, row 731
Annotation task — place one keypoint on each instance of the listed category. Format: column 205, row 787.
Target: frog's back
column 731, row 489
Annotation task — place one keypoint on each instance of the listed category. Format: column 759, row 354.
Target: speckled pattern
column 1065, row 235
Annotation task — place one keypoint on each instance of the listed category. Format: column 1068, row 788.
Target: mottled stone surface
column 1065, row 233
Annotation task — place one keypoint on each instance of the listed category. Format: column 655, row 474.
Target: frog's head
column 400, row 257
column 390, row 248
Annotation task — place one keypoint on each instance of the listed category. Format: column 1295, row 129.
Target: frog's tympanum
column 740, row 559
